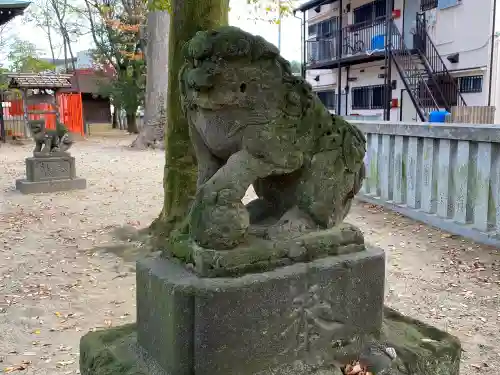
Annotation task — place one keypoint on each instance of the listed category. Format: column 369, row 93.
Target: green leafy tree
column 116, row 27
column 24, row 57
column 4, row 81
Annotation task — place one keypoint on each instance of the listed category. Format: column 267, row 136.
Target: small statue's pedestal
column 292, row 320
column 47, row 173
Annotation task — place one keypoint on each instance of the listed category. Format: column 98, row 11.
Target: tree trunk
column 65, row 56
column 132, row 123
column 114, row 121
column 49, row 37
column 153, row 131
column 179, row 181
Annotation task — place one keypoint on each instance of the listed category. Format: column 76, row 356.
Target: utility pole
column 279, row 25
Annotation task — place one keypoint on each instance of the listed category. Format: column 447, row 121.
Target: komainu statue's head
column 36, row 126
column 243, row 74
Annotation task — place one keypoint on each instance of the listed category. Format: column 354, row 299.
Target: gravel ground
column 63, row 273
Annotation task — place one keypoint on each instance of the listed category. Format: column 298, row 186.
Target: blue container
column 438, row 116
column 378, row 42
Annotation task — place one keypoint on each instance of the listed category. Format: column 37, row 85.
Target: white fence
column 447, row 175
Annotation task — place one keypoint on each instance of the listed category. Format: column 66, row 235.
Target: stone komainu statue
column 253, row 122
column 50, row 140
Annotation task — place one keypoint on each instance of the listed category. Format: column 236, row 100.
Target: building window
column 378, row 97
column 324, row 29
column 370, row 12
column 320, row 50
column 428, row 4
column 368, row 97
column 328, row 98
column 312, row 30
column 470, row 84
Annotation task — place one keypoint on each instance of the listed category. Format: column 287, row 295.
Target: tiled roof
column 40, row 81
column 14, row 3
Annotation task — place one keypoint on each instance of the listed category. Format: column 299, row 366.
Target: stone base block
column 50, row 186
column 420, row 350
column 242, row 325
column 53, row 166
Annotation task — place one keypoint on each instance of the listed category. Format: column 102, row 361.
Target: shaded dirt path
column 55, row 283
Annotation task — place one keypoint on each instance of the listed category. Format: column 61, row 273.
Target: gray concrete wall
column 446, row 175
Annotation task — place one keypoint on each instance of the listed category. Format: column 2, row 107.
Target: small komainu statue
column 49, row 140
column 253, row 122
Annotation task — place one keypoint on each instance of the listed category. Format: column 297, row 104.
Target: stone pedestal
column 243, row 325
column 294, row 320
column 47, row 173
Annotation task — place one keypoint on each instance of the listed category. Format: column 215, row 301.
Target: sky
column 290, row 32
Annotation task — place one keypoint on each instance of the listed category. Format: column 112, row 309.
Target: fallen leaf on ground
column 64, row 363
column 23, row 366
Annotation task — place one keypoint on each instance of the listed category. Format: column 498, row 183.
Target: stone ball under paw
column 222, row 227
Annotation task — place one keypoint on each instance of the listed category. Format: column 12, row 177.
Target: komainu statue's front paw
column 217, row 223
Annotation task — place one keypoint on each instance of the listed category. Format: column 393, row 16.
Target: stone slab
column 50, row 186
column 465, row 132
column 51, row 154
column 259, row 254
column 243, row 325
column 50, row 167
column 420, row 349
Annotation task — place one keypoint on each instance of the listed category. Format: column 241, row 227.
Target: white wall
column 495, row 81
column 464, row 28
column 84, row 60
column 327, row 78
column 327, row 11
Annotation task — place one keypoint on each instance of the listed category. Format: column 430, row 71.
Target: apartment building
column 422, row 55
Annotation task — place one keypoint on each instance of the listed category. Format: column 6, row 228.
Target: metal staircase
column 435, row 66
column 414, row 76
column 423, row 72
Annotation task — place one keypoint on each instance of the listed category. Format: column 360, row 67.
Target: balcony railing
column 366, row 37
column 358, row 39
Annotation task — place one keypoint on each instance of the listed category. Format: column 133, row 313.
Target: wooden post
column 56, row 107
column 2, row 120
column 24, row 96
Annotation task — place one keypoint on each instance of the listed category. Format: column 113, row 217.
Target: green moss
column 108, row 352
column 423, row 349
column 373, row 179
column 492, row 208
column 403, row 169
column 434, row 187
column 180, row 246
